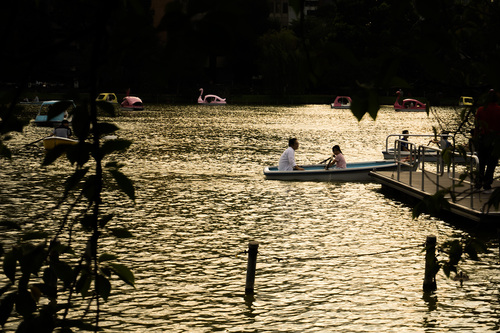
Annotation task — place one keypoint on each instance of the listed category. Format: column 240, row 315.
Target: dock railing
column 405, row 161
column 416, row 154
column 391, row 137
column 471, row 162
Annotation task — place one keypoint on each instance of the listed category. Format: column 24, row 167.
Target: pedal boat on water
column 53, row 141
column 52, row 113
column 342, row 102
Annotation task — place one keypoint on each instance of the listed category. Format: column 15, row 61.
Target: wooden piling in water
column 430, row 264
column 252, row 263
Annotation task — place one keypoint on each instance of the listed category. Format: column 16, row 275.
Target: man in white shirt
column 287, row 159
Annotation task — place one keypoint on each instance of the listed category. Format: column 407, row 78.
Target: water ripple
column 335, row 257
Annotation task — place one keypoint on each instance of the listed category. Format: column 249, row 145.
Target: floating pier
column 463, row 200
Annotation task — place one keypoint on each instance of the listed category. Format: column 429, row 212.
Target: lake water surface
column 333, row 257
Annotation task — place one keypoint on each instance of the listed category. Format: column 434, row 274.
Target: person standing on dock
column 287, row 159
column 487, row 133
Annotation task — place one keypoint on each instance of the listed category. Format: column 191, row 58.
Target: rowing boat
column 354, row 172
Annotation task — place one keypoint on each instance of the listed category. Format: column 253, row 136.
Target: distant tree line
column 445, row 47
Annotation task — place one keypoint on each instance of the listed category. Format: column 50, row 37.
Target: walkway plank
column 469, row 204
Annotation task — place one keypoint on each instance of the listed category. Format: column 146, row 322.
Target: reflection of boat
column 107, row 97
column 342, row 102
column 132, row 103
column 409, row 104
column 465, row 101
column 52, row 141
column 354, row 172
column 210, row 99
column 52, row 113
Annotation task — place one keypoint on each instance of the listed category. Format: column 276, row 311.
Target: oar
column 37, row 141
column 329, row 158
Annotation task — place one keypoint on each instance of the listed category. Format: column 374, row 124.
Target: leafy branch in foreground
column 454, row 250
column 44, row 270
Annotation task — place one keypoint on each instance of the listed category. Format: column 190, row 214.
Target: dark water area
column 333, row 257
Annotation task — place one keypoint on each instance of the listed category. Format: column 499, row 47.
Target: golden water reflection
column 334, row 257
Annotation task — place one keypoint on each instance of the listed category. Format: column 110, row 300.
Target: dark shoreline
column 238, row 99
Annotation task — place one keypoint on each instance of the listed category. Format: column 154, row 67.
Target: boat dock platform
column 461, row 197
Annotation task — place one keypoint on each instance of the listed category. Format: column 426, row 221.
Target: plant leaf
column 123, row 273
column 81, row 122
column 32, row 258
column 74, row 179
column 83, row 283
column 63, row 271
column 86, row 222
column 5, row 151
column 9, row 265
column 124, row 183
column 105, row 219
column 121, row 233
column 103, row 286
column 79, row 153
column 106, row 107
column 58, row 108
column 25, row 304
column 89, row 187
column 53, row 154
column 10, row 224
column 34, row 235
column 82, row 325
column 106, row 128
column 107, row 257
column 6, row 306
column 112, row 146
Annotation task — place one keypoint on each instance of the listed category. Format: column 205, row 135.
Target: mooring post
column 430, row 264
column 252, row 263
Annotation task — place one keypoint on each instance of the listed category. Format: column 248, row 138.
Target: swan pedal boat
column 354, row 172
column 53, row 141
column 132, row 103
column 210, row 99
column 342, row 102
column 409, row 104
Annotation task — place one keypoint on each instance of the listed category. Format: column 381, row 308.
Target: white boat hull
column 340, row 107
column 389, row 155
column 355, row 172
column 430, row 156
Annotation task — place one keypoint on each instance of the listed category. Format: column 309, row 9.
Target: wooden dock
column 469, row 204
